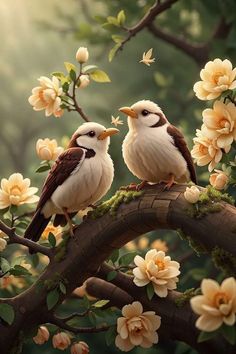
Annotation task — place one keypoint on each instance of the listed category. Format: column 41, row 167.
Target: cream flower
column 11, row 281
column 55, row 230
column 3, row 244
column 47, row 96
column 160, row 245
column 79, row 348
column 192, row 194
column 82, row 55
column 42, row 335
column 16, row 191
column 216, row 306
column 116, row 121
column 47, row 149
column 219, row 180
column 158, row 269
column 205, row 151
column 147, row 58
column 217, row 77
column 220, row 123
column 61, row 341
column 136, row 327
column 83, row 81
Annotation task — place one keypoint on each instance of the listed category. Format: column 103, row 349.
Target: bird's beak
column 108, row 132
column 129, row 111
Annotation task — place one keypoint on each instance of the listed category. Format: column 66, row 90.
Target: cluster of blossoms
column 60, row 341
column 218, row 131
column 143, row 244
column 216, row 305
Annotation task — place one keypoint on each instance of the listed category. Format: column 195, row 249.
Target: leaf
column 52, row 298
column 111, row 275
column 5, row 265
column 88, row 68
column 127, row 258
column 150, row 291
column 229, row 333
column 13, row 209
column 92, row 318
column 86, row 302
column 52, row 240
column 69, row 66
column 100, row 19
column 99, row 76
column 117, row 39
column 18, row 270
column 60, row 75
column 62, row 288
column 204, row 336
column 72, row 75
column 121, row 17
column 113, row 21
column 113, row 51
column 7, row 313
column 110, row 335
column 4, row 211
column 65, row 86
column 114, row 256
column 43, row 168
column 101, row 303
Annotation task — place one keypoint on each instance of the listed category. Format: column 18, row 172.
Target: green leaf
column 99, row 76
column 101, row 303
column 5, row 265
column 92, row 318
column 72, row 75
column 113, row 21
column 113, row 51
column 100, row 19
column 150, row 291
column 89, row 68
column 52, row 240
column 13, row 209
column 4, row 211
column 86, row 302
column 52, row 298
column 62, row 288
column 7, row 313
column 69, row 66
column 229, row 333
column 18, row 270
column 117, row 39
column 127, row 258
column 65, row 86
column 204, row 336
column 43, row 168
column 111, row 333
column 111, row 275
column 114, row 256
column 121, row 17
column 60, row 75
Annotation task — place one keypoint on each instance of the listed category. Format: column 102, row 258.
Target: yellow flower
column 16, row 191
column 83, row 81
column 2, row 234
column 205, row 151
column 42, row 335
column 11, row 281
column 61, row 341
column 82, row 55
column 55, row 230
column 192, row 194
column 116, row 121
column 216, row 306
column 79, row 348
column 158, row 269
column 160, row 245
column 47, row 96
column 147, row 58
column 131, row 246
column 219, row 180
column 3, row 244
column 220, row 124
column 136, row 327
column 47, row 149
column 217, row 77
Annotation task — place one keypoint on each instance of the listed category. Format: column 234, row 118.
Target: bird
column 154, row 150
column 80, row 177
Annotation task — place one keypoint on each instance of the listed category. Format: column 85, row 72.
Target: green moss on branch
column 224, row 261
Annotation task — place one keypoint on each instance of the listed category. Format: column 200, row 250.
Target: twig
column 14, row 238
column 76, row 106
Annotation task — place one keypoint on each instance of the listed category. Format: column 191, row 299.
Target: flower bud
column 3, row 244
column 82, row 55
column 219, row 180
column 47, row 149
column 192, row 194
column 79, row 348
column 42, row 335
column 84, row 81
column 61, row 341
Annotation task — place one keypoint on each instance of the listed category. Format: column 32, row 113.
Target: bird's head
column 144, row 113
column 92, row 135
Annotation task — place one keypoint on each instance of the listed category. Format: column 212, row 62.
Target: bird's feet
column 169, row 183
column 135, row 187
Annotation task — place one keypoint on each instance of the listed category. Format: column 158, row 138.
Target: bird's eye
column 145, row 113
column 91, row 134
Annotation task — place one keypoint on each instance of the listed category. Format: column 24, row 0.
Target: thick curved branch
column 95, row 240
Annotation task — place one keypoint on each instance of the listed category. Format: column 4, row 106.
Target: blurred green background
column 37, row 36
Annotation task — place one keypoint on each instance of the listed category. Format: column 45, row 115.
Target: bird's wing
column 180, row 143
column 64, row 165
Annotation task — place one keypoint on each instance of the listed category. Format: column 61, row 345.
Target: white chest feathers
column 89, row 183
column 152, row 156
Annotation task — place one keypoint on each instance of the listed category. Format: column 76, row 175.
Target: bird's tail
column 37, row 226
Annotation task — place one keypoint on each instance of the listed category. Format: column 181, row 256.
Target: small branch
column 14, row 238
column 76, row 106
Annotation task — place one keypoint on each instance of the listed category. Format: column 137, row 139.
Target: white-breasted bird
column 80, row 176
column 154, row 150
